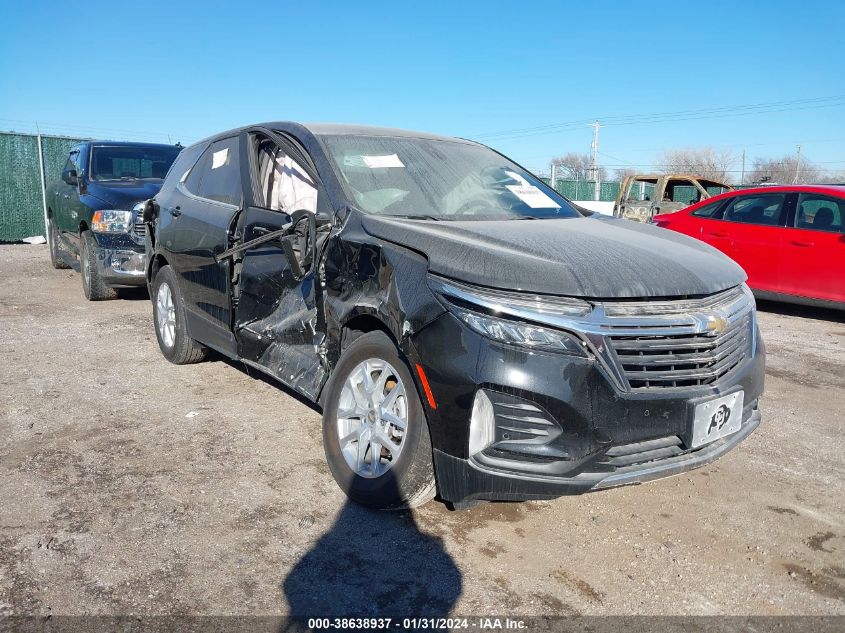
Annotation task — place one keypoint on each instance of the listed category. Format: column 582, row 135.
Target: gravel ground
column 130, row 485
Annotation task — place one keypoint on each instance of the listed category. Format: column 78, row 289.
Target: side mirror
column 70, row 177
column 150, row 210
column 322, row 220
column 299, row 244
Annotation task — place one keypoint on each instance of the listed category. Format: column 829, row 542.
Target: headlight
column 111, row 221
column 482, row 309
column 523, row 334
column 513, row 303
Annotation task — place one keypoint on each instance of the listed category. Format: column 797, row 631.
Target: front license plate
column 716, row 418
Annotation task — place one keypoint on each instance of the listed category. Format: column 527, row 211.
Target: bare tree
column 706, row 162
column 784, row 171
column 573, row 166
column 621, row 174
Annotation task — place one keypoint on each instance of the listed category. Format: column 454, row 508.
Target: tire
column 173, row 339
column 403, row 476
column 57, row 251
column 93, row 286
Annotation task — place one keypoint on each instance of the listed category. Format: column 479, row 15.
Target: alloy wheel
column 372, row 418
column 166, row 313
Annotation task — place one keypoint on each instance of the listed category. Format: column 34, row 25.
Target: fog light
column 482, row 424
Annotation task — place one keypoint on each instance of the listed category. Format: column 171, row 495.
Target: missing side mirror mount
column 150, row 210
column 70, row 177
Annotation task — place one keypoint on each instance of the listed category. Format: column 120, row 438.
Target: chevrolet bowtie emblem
column 715, row 325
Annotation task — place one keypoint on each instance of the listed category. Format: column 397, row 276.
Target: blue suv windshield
column 112, row 162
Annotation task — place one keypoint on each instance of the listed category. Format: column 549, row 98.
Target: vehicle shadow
column 807, row 312
column 372, row 564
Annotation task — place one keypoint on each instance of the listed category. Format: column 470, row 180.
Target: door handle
column 802, row 243
column 718, row 233
column 174, row 211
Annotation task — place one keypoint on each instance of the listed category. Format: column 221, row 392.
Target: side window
column 641, row 190
column 681, row 190
column 820, row 213
column 709, row 210
column 181, row 167
column 72, row 160
column 217, row 175
column 281, row 183
column 764, row 209
column 193, row 178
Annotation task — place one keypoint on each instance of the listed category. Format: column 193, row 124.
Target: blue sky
column 183, row 70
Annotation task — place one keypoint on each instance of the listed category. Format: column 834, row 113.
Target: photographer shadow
column 373, row 563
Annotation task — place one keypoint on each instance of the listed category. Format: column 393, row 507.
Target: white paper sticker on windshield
column 378, row 162
column 218, row 159
column 533, row 197
column 518, row 178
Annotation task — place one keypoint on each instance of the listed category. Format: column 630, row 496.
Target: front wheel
column 57, row 252
column 170, row 322
column 92, row 284
column 375, row 433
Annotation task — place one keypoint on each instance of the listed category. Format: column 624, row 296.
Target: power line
column 85, row 130
column 680, row 115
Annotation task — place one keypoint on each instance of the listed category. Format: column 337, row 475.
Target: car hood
column 123, row 194
column 593, row 257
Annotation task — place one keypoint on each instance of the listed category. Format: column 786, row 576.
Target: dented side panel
column 366, row 277
column 294, row 328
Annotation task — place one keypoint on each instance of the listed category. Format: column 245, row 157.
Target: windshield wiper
column 415, row 217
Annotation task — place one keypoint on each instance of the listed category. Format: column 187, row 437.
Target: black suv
column 466, row 330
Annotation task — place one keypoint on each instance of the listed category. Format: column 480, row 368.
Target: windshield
column 131, row 163
column 440, row 179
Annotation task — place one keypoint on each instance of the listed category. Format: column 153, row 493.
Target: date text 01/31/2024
column 485, row 623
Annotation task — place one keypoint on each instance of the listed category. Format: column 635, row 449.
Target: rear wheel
column 170, row 323
column 92, row 284
column 57, row 252
column 375, row 433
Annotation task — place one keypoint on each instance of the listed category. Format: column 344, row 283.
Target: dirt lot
column 130, row 485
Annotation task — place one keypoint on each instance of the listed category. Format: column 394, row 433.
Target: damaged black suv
column 465, row 329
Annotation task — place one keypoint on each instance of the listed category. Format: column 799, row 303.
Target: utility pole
column 552, row 182
column 742, row 177
column 43, row 182
column 797, row 166
column 596, row 127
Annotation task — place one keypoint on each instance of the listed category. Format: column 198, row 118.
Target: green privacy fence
column 21, row 203
column 585, row 189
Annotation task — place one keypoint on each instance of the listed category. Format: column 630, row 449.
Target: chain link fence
column 21, row 201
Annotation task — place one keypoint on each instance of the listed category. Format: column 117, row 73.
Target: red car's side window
column 818, row 212
column 765, row 209
column 709, row 210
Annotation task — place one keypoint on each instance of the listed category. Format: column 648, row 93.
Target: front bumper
column 121, row 262
column 465, row 480
column 603, row 436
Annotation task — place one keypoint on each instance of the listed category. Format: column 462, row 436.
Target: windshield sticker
column 518, row 178
column 218, row 159
column 379, row 162
column 533, row 197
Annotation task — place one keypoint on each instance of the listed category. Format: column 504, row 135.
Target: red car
column 789, row 239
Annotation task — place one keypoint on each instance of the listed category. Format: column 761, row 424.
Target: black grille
column 682, row 360
column 641, row 452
